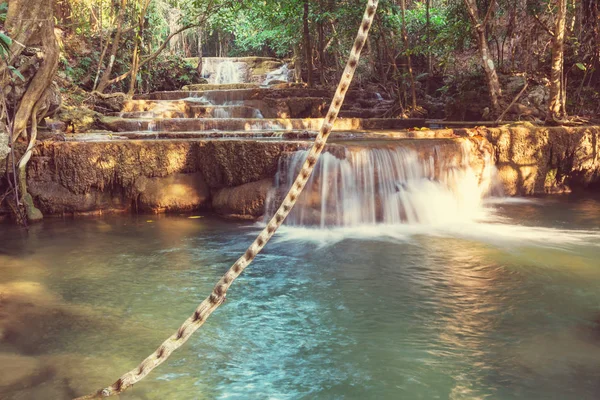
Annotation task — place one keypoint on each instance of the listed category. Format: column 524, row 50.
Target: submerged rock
column 18, row 372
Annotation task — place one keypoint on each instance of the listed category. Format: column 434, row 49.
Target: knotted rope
column 217, row 296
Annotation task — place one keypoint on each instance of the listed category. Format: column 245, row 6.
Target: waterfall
column 366, row 186
column 228, row 72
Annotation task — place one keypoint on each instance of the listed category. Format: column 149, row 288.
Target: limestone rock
column 177, row 192
column 514, row 84
column 535, row 160
column 78, row 119
column 245, row 201
column 538, row 96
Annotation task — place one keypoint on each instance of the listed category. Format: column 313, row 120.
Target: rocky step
column 116, row 124
column 219, row 86
column 362, row 113
column 193, row 111
column 221, row 96
column 264, row 134
column 290, row 107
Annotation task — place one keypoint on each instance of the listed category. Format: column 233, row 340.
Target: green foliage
column 449, row 30
column 5, row 41
column 167, row 73
column 261, row 24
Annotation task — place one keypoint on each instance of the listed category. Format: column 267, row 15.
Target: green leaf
column 17, row 73
column 581, row 66
column 5, row 43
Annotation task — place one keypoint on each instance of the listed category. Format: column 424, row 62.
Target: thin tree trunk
column 307, row 45
column 411, row 76
column 396, row 72
column 114, row 49
column 556, row 109
column 135, row 59
column 428, row 36
column 487, row 62
column 321, row 46
column 199, row 68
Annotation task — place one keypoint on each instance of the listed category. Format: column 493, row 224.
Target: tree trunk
column 411, row 76
column 484, row 51
column 135, row 59
column 31, row 23
column 199, row 68
column 114, row 49
column 24, row 26
column 556, row 109
column 307, row 45
column 297, row 67
column 321, row 32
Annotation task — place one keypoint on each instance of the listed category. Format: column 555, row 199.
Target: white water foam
column 228, row 72
column 396, row 195
column 390, row 186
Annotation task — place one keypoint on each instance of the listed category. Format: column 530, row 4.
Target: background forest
column 436, row 57
column 426, row 53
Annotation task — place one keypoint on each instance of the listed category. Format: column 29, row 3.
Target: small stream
column 502, row 308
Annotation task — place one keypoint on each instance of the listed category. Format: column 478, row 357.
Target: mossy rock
column 79, row 119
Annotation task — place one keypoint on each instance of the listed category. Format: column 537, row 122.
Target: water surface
column 502, row 308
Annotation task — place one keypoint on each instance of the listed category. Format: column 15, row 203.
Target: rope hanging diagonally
column 217, row 296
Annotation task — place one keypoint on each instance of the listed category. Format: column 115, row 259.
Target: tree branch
column 488, row 13
column 544, row 27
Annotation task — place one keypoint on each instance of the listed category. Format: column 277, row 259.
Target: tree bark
column 556, row 109
column 486, row 59
column 31, row 23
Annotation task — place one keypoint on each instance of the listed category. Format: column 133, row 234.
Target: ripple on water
column 495, row 309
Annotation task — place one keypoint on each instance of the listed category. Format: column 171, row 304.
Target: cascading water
column 367, row 186
column 228, row 72
column 281, row 74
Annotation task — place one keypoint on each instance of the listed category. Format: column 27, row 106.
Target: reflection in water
column 502, row 308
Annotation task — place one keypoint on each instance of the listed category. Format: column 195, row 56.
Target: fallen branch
column 514, row 101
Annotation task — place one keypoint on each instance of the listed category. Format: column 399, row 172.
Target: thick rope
column 217, row 296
